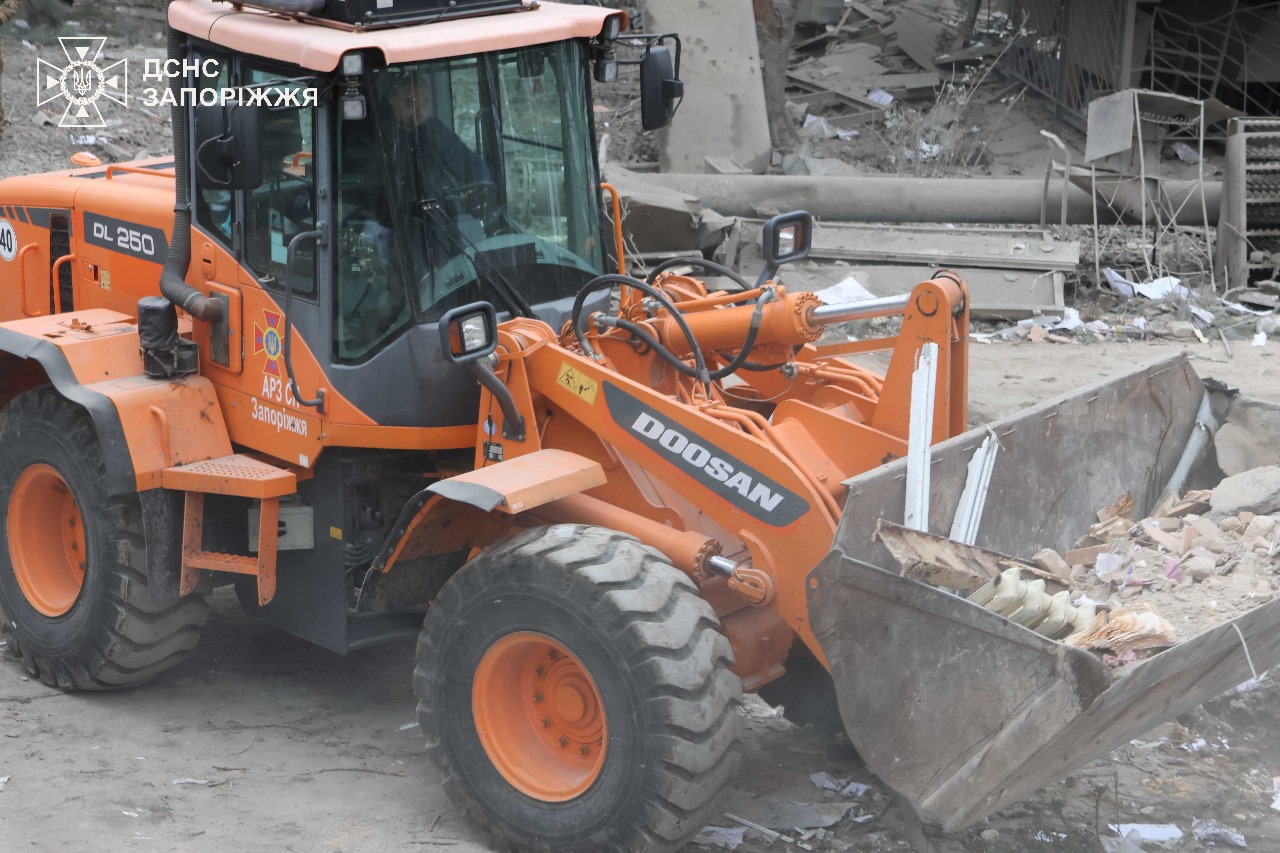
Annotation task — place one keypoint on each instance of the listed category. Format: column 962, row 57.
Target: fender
column 144, row 425
column 456, row 514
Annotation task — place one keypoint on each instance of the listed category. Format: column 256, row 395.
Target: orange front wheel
column 576, row 692
column 539, row 716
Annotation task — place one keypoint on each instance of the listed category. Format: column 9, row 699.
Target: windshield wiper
column 502, row 285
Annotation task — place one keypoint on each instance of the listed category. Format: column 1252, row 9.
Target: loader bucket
column 961, row 711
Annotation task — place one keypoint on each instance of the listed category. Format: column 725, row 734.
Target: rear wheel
column 73, row 590
column 576, row 692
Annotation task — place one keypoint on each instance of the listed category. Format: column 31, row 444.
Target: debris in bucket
column 1208, row 831
column 1134, row 629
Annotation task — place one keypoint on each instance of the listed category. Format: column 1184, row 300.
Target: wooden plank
column 942, row 246
column 855, row 95
column 908, row 85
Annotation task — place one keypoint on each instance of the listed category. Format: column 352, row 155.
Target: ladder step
column 236, row 474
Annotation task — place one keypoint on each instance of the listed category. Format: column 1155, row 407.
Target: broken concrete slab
column 659, row 220
column 941, row 246
column 923, row 38
column 723, row 112
column 993, row 293
column 1256, row 491
column 1250, row 438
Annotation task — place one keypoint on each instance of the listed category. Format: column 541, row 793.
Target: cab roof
column 319, row 47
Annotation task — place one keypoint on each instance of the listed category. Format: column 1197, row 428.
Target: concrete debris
column 1251, row 436
column 941, row 246
column 993, row 293
column 1253, row 491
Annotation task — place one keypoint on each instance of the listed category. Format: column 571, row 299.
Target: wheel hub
column 46, row 540
column 539, row 716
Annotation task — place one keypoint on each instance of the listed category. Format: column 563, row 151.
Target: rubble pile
column 1194, row 565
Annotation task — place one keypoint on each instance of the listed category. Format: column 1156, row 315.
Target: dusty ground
column 295, row 748
column 260, row 741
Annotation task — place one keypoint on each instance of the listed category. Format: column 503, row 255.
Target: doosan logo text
column 695, row 455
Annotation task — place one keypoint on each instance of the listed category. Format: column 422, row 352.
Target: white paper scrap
column 1260, row 340
column 720, row 836
column 880, row 96
column 848, row 290
column 1148, row 831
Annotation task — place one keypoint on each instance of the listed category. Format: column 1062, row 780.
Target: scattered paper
column 1147, row 831
column 1050, row 836
column 864, row 818
column 1149, row 744
column 1244, row 309
column 187, row 780
column 880, row 96
column 4, row 779
column 1252, row 684
column 1260, row 340
column 406, row 727
column 1275, row 785
column 1186, row 153
column 848, row 290
column 843, row 787
column 1202, row 317
column 1161, row 288
column 1211, row 832
column 1070, row 321
column 854, row 789
column 720, row 836
column 1119, row 283
column 816, row 124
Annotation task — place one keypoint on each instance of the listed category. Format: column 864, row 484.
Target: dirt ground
column 260, row 741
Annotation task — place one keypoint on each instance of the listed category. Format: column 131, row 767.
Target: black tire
column 113, row 635
column 652, row 647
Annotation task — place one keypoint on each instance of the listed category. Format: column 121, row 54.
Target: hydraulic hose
column 600, row 282
column 173, row 276
column 709, row 266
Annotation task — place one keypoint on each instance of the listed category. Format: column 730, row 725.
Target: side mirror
column 660, row 87
column 469, row 333
column 786, row 238
column 227, row 147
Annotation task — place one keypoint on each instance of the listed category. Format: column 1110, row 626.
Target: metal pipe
column 876, row 198
column 845, row 312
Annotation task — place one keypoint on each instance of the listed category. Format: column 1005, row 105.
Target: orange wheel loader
column 366, row 348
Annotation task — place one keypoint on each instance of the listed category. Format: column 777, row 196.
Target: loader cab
column 427, row 185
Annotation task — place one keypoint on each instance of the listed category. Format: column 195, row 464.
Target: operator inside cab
column 468, row 178
column 433, row 200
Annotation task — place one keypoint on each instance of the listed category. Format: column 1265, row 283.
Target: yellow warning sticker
column 579, row 383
